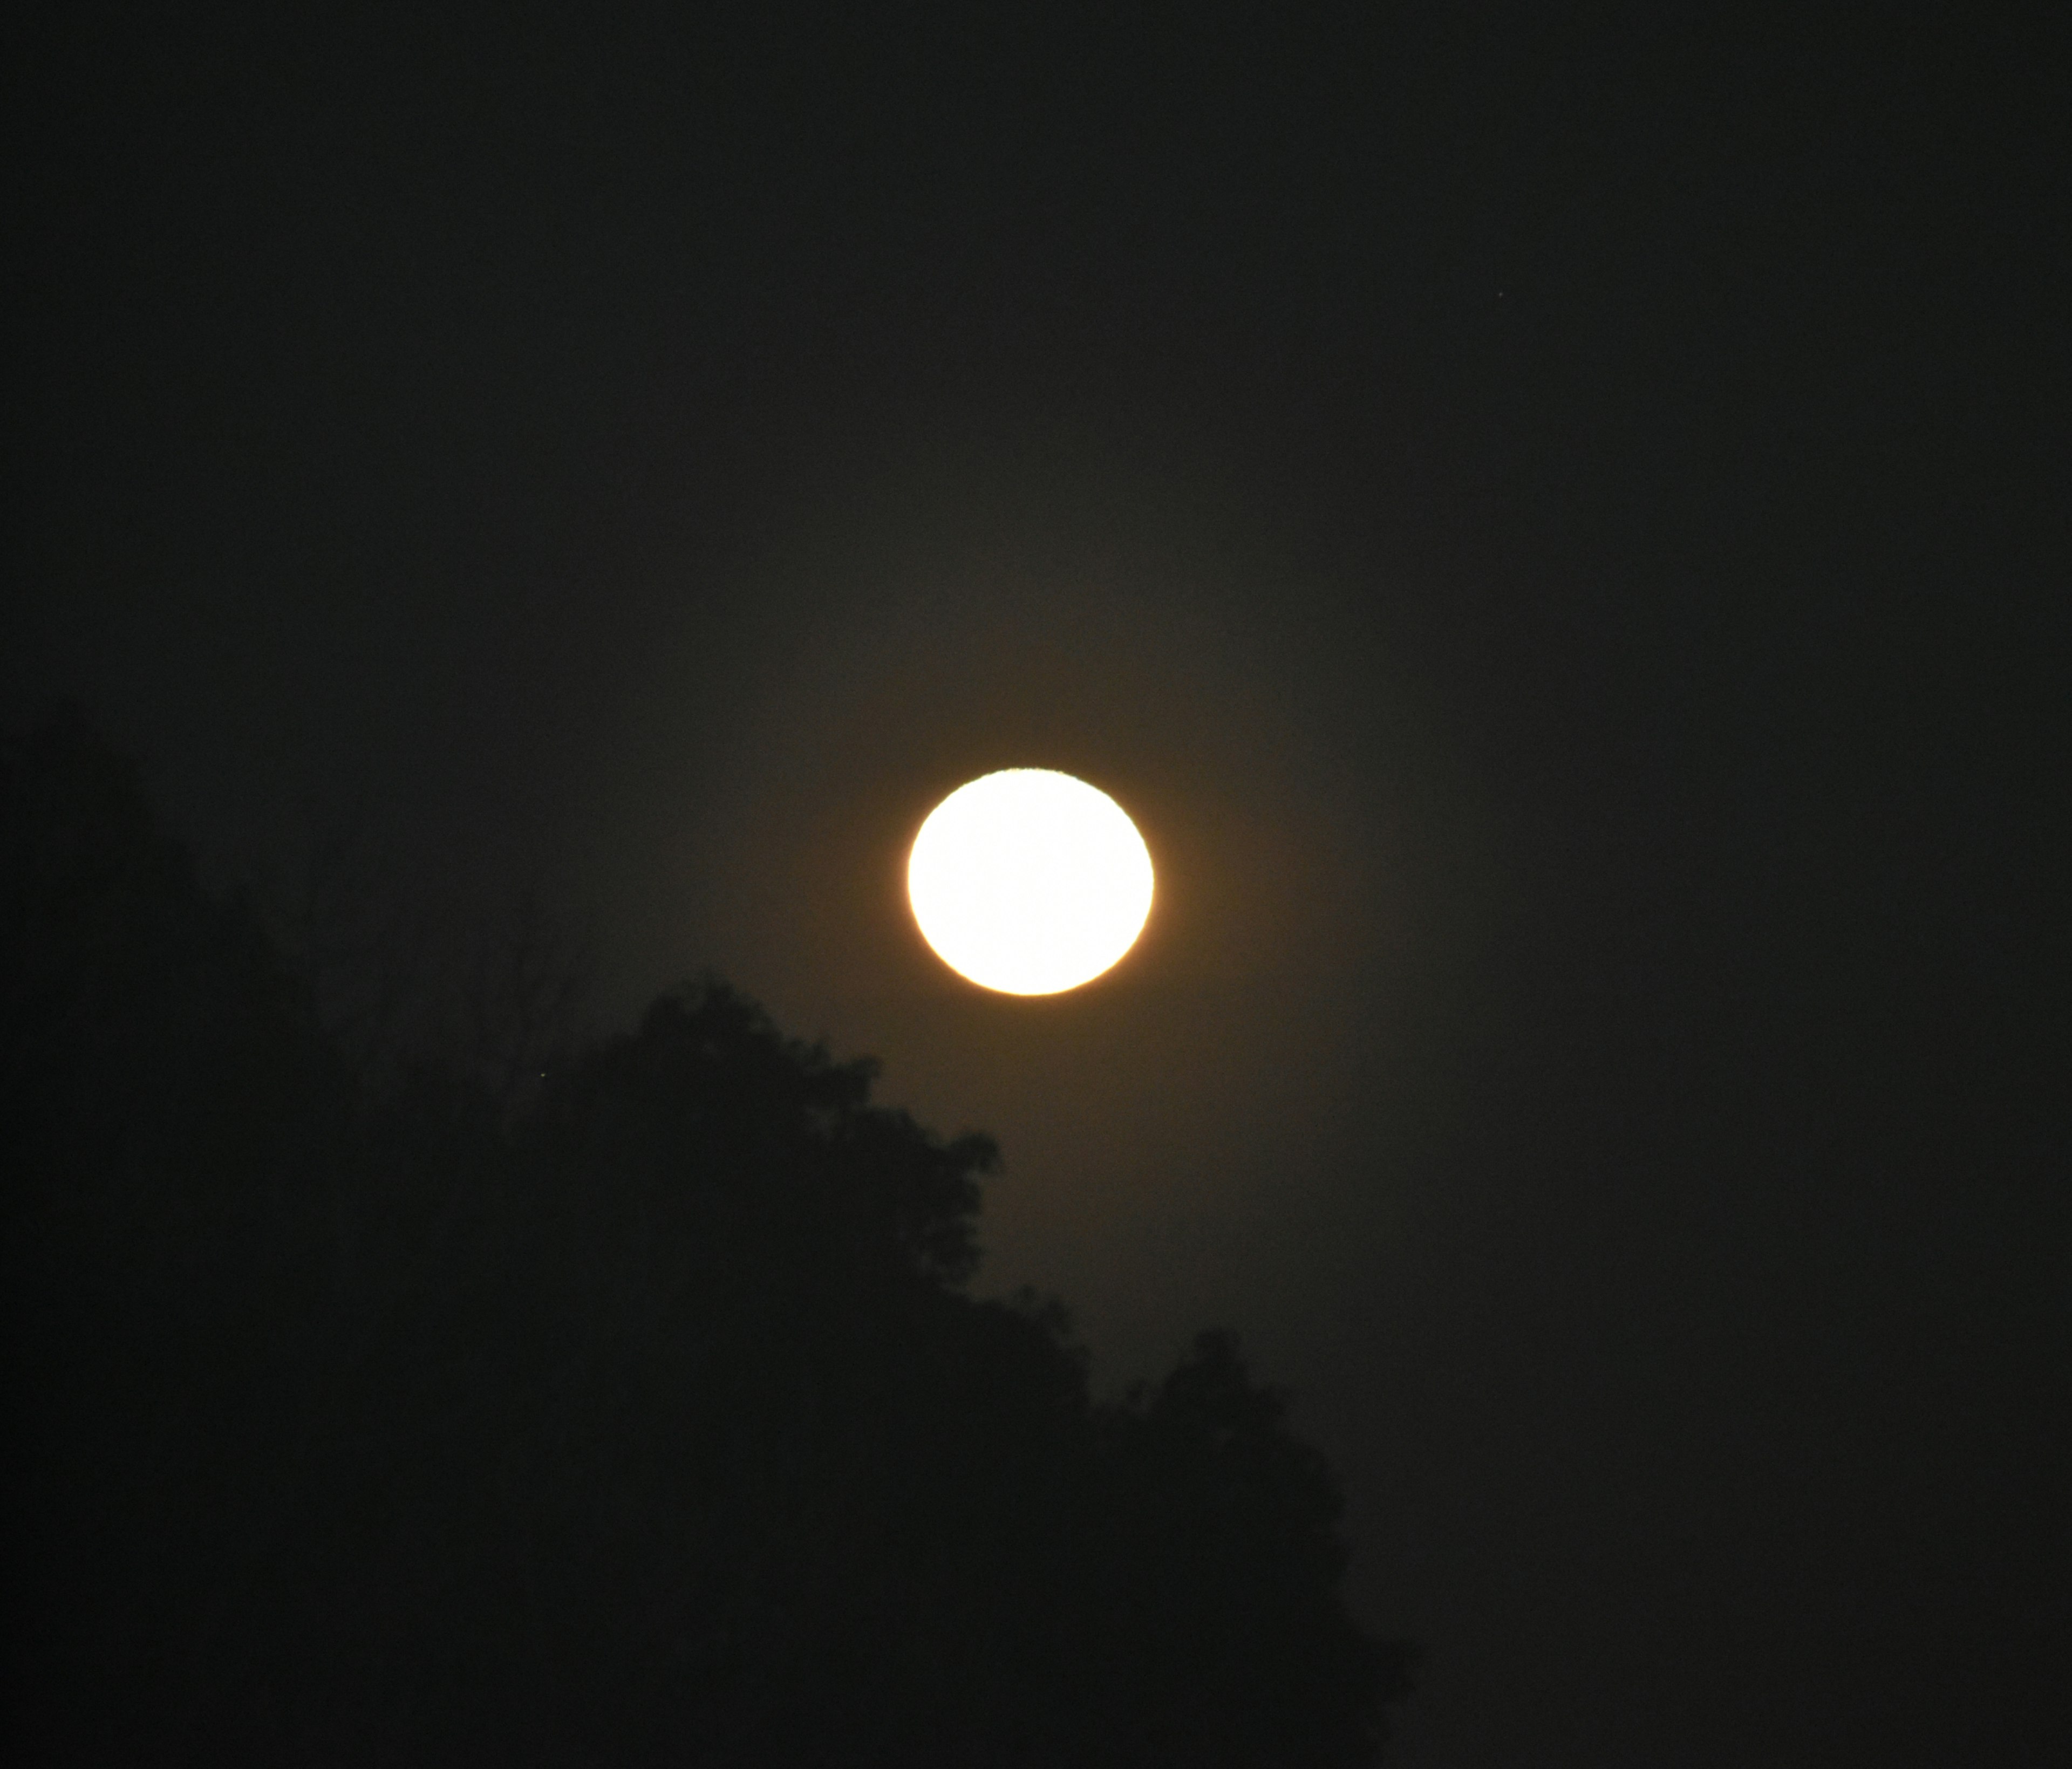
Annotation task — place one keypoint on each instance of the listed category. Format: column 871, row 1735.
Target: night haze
column 1552, row 531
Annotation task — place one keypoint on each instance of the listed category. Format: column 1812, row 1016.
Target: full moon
column 1029, row 882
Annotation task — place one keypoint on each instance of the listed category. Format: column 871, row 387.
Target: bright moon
column 1029, row 881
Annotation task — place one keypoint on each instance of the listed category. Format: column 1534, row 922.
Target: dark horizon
column 1549, row 527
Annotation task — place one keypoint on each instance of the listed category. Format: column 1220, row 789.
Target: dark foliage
column 649, row 1423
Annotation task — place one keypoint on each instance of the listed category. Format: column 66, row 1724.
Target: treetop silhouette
column 651, row 1420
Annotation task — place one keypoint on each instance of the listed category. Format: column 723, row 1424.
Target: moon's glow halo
column 1029, row 882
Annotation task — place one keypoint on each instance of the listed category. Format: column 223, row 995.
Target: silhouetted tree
column 397, row 982
column 649, row 1422
column 176, row 1144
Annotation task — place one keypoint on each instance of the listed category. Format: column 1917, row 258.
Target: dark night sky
column 1553, row 528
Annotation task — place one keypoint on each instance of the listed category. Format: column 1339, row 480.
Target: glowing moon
column 1029, row 881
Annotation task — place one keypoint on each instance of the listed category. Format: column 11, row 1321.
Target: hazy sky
column 1546, row 526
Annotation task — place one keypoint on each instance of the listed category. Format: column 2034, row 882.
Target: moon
column 1029, row 882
